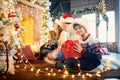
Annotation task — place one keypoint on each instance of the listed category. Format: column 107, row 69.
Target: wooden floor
column 26, row 74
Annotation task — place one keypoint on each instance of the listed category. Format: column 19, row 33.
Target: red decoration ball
column 16, row 26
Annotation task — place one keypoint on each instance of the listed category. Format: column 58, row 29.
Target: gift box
column 27, row 54
column 67, row 49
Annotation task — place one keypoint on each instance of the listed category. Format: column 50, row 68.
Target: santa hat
column 81, row 21
column 66, row 18
column 57, row 21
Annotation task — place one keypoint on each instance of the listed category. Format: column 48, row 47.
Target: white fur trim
column 81, row 21
column 68, row 19
column 58, row 22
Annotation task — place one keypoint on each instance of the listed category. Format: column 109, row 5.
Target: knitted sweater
column 90, row 51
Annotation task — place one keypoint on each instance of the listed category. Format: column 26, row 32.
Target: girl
column 61, row 34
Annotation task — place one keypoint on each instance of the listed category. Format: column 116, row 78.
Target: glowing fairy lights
column 63, row 73
column 51, row 71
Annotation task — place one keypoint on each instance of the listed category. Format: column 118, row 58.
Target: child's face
column 79, row 30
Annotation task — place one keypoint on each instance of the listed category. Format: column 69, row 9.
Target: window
column 91, row 19
column 104, row 35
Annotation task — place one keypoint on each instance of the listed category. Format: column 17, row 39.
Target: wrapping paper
column 67, row 49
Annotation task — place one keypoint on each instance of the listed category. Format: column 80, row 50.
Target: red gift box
column 67, row 49
column 27, row 54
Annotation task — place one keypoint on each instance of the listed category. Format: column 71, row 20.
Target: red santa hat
column 66, row 18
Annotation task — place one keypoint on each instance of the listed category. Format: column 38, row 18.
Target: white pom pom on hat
column 57, row 21
column 81, row 21
column 66, row 18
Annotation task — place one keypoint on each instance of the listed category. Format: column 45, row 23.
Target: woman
column 61, row 34
column 90, row 55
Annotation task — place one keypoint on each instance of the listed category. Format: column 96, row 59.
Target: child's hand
column 49, row 56
column 78, row 48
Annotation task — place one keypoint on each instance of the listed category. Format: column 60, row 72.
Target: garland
column 99, row 10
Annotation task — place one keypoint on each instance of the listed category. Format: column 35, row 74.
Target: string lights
column 64, row 74
column 55, row 72
column 52, row 71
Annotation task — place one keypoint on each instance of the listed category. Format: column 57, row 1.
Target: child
column 90, row 54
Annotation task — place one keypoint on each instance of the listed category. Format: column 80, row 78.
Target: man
column 66, row 21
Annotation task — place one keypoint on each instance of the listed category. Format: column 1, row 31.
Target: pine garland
column 99, row 10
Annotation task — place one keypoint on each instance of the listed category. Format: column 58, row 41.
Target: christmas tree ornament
column 17, row 26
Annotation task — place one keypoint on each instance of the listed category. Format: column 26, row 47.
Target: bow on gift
column 67, row 49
